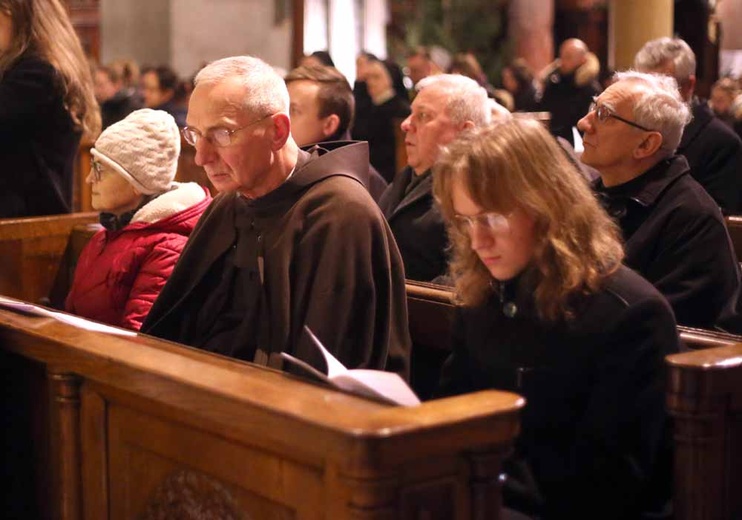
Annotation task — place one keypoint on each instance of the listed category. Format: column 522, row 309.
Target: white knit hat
column 143, row 148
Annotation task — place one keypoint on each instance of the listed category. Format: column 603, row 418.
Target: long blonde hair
column 43, row 28
column 517, row 164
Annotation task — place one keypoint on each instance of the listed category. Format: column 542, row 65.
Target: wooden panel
column 164, row 426
column 31, row 252
column 734, row 226
column 705, row 400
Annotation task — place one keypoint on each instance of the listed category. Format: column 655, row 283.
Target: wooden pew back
column 32, row 251
column 734, row 226
column 705, row 400
column 138, row 427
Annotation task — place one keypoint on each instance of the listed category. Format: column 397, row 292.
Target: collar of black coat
column 316, row 163
column 647, row 187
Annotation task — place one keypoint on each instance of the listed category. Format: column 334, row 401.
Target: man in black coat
column 445, row 105
column 569, row 87
column 674, row 232
column 713, row 150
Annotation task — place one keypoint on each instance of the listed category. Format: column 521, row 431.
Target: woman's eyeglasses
column 494, row 222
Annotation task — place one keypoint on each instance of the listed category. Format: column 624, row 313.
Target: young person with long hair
column 46, row 105
column 547, row 310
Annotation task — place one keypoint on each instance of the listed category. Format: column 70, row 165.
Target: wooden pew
column 431, row 310
column 32, row 250
column 705, row 400
column 734, row 226
column 115, row 427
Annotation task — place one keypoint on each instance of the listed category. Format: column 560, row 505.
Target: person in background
column 445, row 106
column 713, row 150
column 517, row 78
column 546, row 310
column 299, row 243
column 376, row 122
column 420, row 65
column 466, row 64
column 318, row 58
column 163, row 90
column 47, row 104
column 569, row 87
column 146, row 220
column 116, row 99
column 723, row 94
column 322, row 111
column 674, row 233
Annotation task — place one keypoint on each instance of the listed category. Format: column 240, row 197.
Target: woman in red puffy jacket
column 146, row 220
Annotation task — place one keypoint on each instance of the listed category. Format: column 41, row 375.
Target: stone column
column 631, row 24
column 531, row 27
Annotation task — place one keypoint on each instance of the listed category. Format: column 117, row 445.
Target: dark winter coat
column 676, row 238
column 38, row 141
column 417, row 225
column 714, row 153
column 593, row 426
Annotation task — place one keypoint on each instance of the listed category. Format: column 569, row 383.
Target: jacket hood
column 176, row 207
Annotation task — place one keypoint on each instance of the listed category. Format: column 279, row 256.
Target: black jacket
column 377, row 125
column 567, row 101
column 38, row 141
column 417, row 225
column 714, row 153
column 594, row 423
column 676, row 238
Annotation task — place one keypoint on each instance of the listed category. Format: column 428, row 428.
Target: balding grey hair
column 657, row 53
column 658, row 106
column 265, row 90
column 467, row 100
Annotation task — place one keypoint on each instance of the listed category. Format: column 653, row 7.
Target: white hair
column 657, row 53
column 467, row 100
column 265, row 90
column 658, row 106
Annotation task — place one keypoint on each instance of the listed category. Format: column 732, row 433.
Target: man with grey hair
column 299, row 241
column 445, row 105
column 713, row 150
column 674, row 232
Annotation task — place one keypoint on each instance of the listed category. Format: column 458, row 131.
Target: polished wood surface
column 140, row 427
column 32, row 251
column 734, row 226
column 705, row 400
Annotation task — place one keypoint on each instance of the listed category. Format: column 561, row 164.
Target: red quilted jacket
column 120, row 273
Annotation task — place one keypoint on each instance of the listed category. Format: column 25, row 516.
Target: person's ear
column 467, row 125
column 649, row 146
column 330, row 125
column 281, row 130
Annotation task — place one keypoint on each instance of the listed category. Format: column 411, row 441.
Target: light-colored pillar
column 631, row 24
column 531, row 25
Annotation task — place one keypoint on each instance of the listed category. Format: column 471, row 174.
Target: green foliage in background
column 477, row 26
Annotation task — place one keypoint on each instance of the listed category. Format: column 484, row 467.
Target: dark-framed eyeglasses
column 217, row 136
column 96, row 168
column 495, row 222
column 602, row 112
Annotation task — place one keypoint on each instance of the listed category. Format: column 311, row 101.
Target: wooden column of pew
column 734, row 226
column 106, row 426
column 705, row 401
column 32, row 251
